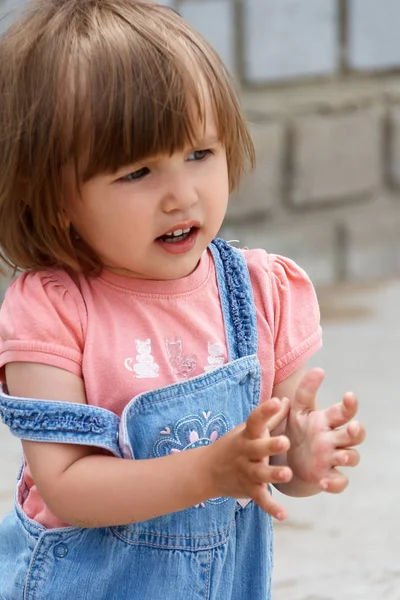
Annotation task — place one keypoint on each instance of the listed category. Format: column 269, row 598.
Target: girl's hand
column 322, row 440
column 240, row 461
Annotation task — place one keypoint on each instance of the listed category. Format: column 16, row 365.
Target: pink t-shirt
column 125, row 336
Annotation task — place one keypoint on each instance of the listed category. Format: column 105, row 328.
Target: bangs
column 98, row 86
column 133, row 113
column 140, row 91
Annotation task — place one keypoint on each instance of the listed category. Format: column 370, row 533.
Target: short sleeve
column 296, row 316
column 42, row 320
column 288, row 314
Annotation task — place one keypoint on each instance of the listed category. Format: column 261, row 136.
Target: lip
column 183, row 247
column 182, row 225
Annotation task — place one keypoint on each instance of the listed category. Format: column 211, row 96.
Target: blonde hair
column 99, row 84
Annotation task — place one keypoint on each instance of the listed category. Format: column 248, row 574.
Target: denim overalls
column 220, row 550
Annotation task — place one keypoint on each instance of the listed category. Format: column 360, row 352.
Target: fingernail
column 324, row 485
column 280, row 516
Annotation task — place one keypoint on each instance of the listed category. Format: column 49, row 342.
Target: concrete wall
column 320, row 85
column 326, row 190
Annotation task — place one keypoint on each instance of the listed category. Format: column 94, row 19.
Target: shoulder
column 276, row 271
column 33, row 284
column 43, row 306
column 38, row 290
column 286, row 299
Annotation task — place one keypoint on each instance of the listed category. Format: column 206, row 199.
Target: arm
column 87, row 489
column 296, row 487
column 73, row 478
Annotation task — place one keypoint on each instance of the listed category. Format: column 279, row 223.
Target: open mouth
column 180, row 235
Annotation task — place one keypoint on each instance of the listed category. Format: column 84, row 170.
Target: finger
column 304, row 399
column 281, row 415
column 346, row 458
column 257, row 421
column 262, row 496
column 357, row 432
column 261, row 448
column 262, row 472
column 352, row 435
column 341, row 413
column 335, row 483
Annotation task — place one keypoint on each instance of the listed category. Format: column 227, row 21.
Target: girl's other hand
column 323, row 440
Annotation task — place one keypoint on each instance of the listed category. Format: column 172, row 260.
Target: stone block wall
column 326, row 189
column 320, row 84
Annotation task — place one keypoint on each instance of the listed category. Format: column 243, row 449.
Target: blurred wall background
column 320, row 83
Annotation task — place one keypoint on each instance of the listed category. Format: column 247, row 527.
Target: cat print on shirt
column 145, row 367
column 216, row 356
column 183, row 365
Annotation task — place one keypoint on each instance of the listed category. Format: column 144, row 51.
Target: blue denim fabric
column 221, row 549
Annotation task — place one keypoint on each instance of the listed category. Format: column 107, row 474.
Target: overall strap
column 237, row 300
column 62, row 422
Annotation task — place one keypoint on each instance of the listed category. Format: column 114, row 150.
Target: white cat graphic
column 215, row 356
column 145, row 367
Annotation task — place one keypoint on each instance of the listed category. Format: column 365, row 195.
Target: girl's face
column 126, row 217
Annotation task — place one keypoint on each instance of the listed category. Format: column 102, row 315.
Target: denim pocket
column 190, row 530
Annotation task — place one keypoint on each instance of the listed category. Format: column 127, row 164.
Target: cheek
column 95, row 207
column 218, row 180
column 222, row 189
column 224, row 177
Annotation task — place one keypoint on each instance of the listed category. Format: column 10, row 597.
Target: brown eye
column 199, row 155
column 135, row 175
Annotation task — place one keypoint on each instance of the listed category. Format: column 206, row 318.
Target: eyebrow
column 211, row 140
column 202, row 143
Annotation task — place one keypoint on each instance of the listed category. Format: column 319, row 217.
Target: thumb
column 258, row 420
column 304, row 398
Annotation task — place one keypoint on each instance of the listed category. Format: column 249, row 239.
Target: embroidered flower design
column 192, row 431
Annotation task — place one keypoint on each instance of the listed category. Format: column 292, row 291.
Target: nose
column 180, row 192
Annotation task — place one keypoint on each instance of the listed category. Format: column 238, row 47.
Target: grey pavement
column 344, row 547
column 347, row 547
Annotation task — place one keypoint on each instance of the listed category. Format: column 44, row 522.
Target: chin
column 181, row 271
column 177, row 274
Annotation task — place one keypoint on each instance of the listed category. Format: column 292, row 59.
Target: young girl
column 142, row 359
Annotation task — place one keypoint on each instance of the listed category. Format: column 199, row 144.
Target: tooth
column 178, row 232
column 186, row 230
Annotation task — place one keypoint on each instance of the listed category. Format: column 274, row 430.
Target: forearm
column 296, row 487
column 99, row 491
